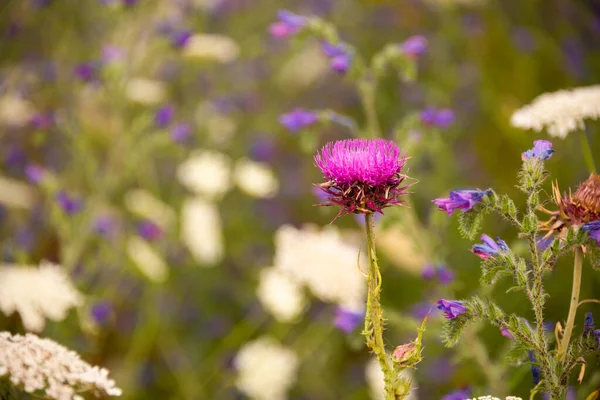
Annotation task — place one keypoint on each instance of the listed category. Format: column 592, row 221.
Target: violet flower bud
column 463, row 200
column 452, row 308
column 489, row 248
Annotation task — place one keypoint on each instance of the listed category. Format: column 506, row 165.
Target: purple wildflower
column 442, row 118
column 101, row 312
column 443, row 274
column 542, row 149
column 544, row 243
column 464, row 200
column 149, row 230
column 362, row 175
column 42, row 121
column 458, row 394
column 588, row 326
column 535, row 369
column 164, row 115
column 340, row 56
column 112, row 54
column 34, row 173
column 594, row 230
column 86, row 71
column 421, row 310
column 506, row 333
column 181, row 132
column 347, row 320
column 451, row 308
column 289, row 24
column 180, row 38
column 414, row 46
column 68, row 203
column 105, row 225
column 429, row 271
column 489, row 248
column 298, row 118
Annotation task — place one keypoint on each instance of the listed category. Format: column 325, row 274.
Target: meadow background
column 80, row 87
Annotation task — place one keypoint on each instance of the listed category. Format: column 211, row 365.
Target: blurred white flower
column 206, row 5
column 148, row 261
column 211, row 47
column 36, row 364
column 15, row 111
column 280, row 295
column 201, row 230
column 266, row 369
column 256, row 179
column 374, row 377
column 207, row 173
column 322, row 261
column 494, row 398
column 146, row 205
column 16, row 194
column 456, row 3
column 145, row 91
column 559, row 112
column 37, row 293
column 304, row 68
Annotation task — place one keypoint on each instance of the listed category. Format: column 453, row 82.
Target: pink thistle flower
column 362, row 175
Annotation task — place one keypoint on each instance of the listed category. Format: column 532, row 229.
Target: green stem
column 587, row 152
column 577, row 270
column 367, row 89
column 374, row 316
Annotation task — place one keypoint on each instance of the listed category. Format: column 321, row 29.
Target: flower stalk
column 374, row 322
column 577, row 272
column 587, row 152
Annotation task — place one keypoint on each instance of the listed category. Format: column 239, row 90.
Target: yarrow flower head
column 41, row 365
column 489, row 248
column 542, row 149
column 289, row 24
column 340, row 55
column 451, row 308
column 298, row 118
column 362, row 175
column 579, row 209
column 414, row 46
column 463, row 200
column 560, row 112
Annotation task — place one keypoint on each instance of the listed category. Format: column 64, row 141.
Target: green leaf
column 469, row 223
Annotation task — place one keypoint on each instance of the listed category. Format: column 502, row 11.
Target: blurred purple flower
column 34, row 173
column 181, row 132
column 69, row 203
column 588, row 326
column 180, row 38
column 86, row 72
column 458, row 394
column 25, row 239
column 289, row 24
column 164, row 115
column 489, row 248
column 42, row 121
column 535, row 369
column 14, row 157
column 101, row 312
column 112, row 54
column 414, row 46
column 129, row 3
column 544, row 243
column 347, row 320
column 594, row 230
column 524, row 39
column 463, row 200
column 542, row 149
column 451, row 308
column 105, row 225
column 298, row 118
column 262, row 149
column 506, row 333
column 442, row 118
column 420, row 310
column 340, row 56
column 149, row 230
column 443, row 274
column 429, row 271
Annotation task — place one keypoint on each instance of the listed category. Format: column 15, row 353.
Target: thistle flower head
column 362, row 175
column 579, row 209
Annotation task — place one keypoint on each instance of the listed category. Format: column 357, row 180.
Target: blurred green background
column 66, row 104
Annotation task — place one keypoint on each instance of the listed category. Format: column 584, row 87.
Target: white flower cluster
column 210, row 175
column 560, row 112
column 266, row 369
column 37, row 293
column 317, row 259
column 37, row 364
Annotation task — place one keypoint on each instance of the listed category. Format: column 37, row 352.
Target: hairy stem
column 587, row 152
column 577, row 270
column 374, row 323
